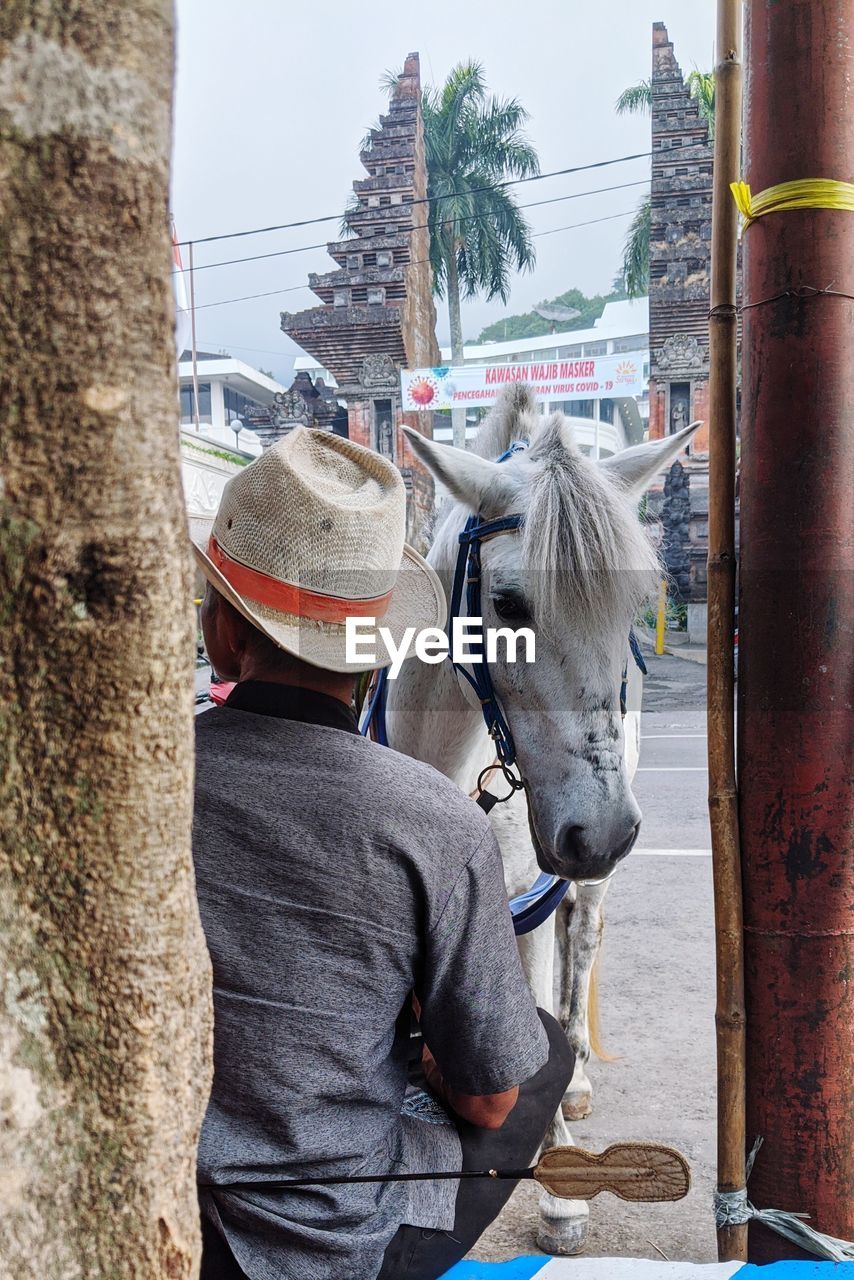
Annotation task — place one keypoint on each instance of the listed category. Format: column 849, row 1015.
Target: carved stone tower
column 679, row 251
column 377, row 312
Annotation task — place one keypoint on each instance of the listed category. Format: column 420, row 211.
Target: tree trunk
column 458, row 416
column 105, row 1019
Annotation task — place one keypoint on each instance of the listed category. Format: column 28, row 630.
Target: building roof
column 618, row 320
column 236, row 372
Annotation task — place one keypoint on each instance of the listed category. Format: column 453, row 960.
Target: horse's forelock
column 513, row 417
column 583, row 544
column 583, row 547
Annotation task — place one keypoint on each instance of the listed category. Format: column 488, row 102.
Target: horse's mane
column 584, row 548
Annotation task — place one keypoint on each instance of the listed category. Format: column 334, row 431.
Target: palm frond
column 367, row 137
column 473, row 143
column 636, row 100
column 345, row 231
column 701, row 86
column 389, row 80
column 636, row 252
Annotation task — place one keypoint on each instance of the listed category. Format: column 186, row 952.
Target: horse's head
column 576, row 573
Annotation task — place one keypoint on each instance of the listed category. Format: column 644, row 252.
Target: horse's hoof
column 577, row 1105
column 564, row 1225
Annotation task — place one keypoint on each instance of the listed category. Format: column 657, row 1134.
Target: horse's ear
column 482, row 485
column 637, row 467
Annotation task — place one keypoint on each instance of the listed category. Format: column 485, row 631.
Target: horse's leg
column 584, row 937
column 563, row 1223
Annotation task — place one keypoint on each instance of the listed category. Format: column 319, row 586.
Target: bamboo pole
column 723, row 800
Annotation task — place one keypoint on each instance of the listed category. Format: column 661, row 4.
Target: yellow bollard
column 660, row 618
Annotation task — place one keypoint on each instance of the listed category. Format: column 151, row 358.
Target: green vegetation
column 675, row 616
column 475, row 143
column 530, row 325
column 701, row 85
column 226, row 454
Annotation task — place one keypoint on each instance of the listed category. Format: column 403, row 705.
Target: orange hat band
column 288, row 598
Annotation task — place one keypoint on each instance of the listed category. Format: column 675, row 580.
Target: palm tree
column 701, row 85
column 635, row 270
column 637, row 100
column 475, row 145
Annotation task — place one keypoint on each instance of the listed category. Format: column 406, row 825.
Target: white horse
column 576, row 572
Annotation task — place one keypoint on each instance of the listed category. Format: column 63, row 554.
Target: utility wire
column 249, row 297
column 421, row 226
column 510, row 182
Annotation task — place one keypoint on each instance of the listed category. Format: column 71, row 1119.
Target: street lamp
column 236, row 425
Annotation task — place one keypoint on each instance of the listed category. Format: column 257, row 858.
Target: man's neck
column 303, row 676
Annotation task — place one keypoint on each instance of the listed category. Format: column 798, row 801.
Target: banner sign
column 582, row 378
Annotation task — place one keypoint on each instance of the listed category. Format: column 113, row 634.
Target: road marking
column 648, row 737
column 674, row 768
column 674, row 853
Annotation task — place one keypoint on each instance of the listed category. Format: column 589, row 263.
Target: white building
column 602, row 427
column 215, row 452
column 227, row 387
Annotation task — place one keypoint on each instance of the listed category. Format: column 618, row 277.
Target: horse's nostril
column 584, row 844
column 573, row 842
column 628, row 843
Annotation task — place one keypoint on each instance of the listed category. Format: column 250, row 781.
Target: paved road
column 657, row 994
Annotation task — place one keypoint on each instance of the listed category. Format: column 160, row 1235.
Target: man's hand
column 486, row 1111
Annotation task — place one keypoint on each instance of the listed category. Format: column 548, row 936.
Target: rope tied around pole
column 804, row 193
column 732, row 1209
column 801, row 292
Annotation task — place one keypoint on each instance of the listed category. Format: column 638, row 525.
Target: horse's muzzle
column 579, row 855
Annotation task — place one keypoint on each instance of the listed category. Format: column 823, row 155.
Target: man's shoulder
column 432, row 798
column 412, row 797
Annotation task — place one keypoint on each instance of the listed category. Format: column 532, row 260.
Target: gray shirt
column 335, row 877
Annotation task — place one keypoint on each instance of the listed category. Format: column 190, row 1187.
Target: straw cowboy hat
column 311, row 533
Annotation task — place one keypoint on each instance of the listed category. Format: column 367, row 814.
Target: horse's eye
column 511, row 607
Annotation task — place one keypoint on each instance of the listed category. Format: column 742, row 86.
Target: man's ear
column 224, row 629
column 637, row 467
column 482, row 485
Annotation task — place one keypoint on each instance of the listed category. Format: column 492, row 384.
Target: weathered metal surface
column 796, row 624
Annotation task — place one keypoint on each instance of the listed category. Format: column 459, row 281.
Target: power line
column 510, row 182
column 421, row 226
column 608, row 218
column 249, row 297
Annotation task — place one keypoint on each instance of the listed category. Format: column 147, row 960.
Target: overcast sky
column 273, row 97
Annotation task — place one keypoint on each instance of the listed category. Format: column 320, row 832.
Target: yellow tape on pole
column 806, row 193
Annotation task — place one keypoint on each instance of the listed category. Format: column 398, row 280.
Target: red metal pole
column 796, row 578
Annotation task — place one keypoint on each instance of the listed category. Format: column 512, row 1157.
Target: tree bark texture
column 458, row 416
column 105, row 1021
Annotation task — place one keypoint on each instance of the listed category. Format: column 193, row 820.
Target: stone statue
column 385, row 437
column 678, row 416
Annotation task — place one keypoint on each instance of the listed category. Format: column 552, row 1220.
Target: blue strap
column 467, row 572
column 530, row 909
column 374, row 715
column 634, row 645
